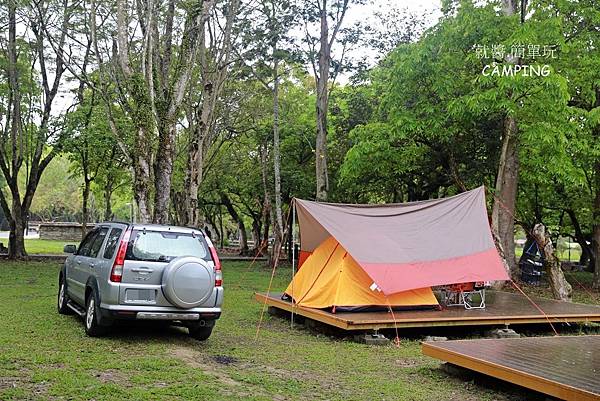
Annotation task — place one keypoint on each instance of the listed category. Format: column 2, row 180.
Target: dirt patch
column 38, row 389
column 10, row 382
column 213, row 365
column 113, row 376
column 224, row 359
column 408, row 363
column 196, row 360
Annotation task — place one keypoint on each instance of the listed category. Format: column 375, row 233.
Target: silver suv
column 142, row 271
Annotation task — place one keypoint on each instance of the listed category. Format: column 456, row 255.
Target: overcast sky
column 360, row 11
column 366, row 13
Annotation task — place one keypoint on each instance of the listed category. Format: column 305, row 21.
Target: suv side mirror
column 70, row 248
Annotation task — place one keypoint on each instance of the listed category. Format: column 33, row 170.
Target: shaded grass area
column 44, row 355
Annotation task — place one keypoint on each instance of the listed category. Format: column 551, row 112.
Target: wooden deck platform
column 502, row 308
column 563, row 367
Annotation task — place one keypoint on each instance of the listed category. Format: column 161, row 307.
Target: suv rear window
column 111, row 244
column 163, row 246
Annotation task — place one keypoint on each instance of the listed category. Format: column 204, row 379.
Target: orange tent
column 330, row 277
column 356, row 256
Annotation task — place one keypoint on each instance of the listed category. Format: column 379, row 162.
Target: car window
column 165, row 246
column 84, row 247
column 111, row 243
column 98, row 241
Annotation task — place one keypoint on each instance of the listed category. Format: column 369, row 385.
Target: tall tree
column 93, row 151
column 155, row 72
column 505, row 195
column 268, row 48
column 31, row 136
column 321, row 61
column 215, row 47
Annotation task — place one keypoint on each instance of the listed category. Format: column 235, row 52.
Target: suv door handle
column 142, row 270
column 92, row 265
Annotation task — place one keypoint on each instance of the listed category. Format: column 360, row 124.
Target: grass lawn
column 563, row 254
column 44, row 355
column 46, row 246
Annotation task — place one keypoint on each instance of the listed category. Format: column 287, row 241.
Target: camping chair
column 465, row 294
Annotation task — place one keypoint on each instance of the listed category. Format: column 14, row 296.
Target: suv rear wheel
column 92, row 317
column 63, row 298
column 199, row 332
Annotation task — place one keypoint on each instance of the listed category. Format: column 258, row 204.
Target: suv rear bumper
column 158, row 313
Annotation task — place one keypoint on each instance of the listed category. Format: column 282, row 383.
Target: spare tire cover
column 187, row 281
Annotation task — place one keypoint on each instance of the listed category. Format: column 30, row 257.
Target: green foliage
column 58, row 196
column 235, row 164
column 438, row 119
column 561, row 158
column 425, row 122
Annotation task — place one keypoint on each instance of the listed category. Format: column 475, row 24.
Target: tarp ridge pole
column 293, row 206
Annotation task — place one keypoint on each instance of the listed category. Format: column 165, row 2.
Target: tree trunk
column 217, row 229
column 256, row 234
column 503, row 211
column 193, row 179
column 240, row 222
column 322, row 105
column 276, row 150
column 163, row 173
column 561, row 289
column 221, row 230
column 142, row 179
column 203, row 119
column 108, row 190
column 596, row 247
column 586, row 253
column 596, row 230
column 84, row 208
column 16, row 240
column 16, row 237
column 498, row 285
column 266, row 209
column 266, row 226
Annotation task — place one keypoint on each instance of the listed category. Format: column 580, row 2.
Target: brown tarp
column 410, row 245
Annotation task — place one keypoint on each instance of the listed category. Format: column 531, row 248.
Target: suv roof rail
column 195, row 228
column 120, row 221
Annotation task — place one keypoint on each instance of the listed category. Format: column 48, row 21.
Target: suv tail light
column 116, row 272
column 215, row 258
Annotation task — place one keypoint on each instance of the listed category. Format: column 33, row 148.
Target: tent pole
column 293, row 254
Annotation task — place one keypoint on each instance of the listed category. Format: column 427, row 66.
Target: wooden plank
column 315, row 314
column 565, row 367
column 507, row 308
